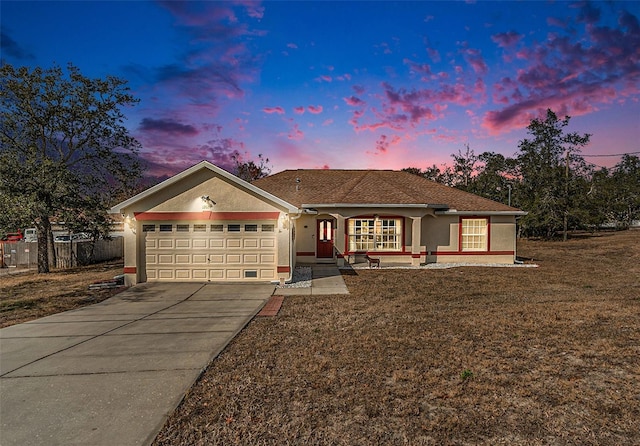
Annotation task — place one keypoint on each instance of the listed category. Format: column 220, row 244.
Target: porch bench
column 373, row 262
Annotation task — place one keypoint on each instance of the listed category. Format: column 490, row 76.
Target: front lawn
column 473, row 355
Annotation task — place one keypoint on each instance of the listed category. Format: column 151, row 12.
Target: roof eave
column 496, row 213
column 373, row 205
column 117, row 209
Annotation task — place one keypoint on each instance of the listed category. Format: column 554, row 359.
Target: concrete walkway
column 326, row 279
column 110, row 373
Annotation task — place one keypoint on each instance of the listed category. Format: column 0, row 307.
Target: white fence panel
column 68, row 254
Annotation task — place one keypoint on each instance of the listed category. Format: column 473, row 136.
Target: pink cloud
column 572, row 74
column 554, row 21
column 422, row 69
column 475, row 59
column 292, row 46
column 434, row 55
column 383, row 143
column 507, row 39
column 353, row 101
column 270, row 110
column 315, row 109
column 359, row 89
column 344, row 77
column 402, row 109
column 299, row 110
column 296, row 134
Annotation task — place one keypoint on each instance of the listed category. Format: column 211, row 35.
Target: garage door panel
column 210, row 254
column 250, row 258
column 199, row 243
column 267, row 274
column 199, row 274
column 183, row 243
column 166, row 274
column 233, row 258
column 199, row 258
column 216, row 243
column 183, row 274
column 216, row 274
column 250, row 243
column 267, row 258
column 267, row 243
column 216, row 259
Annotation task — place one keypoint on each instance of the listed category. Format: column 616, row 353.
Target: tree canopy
column 65, row 151
column 250, row 170
column 550, row 179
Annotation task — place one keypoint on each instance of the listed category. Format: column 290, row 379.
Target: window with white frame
column 375, row 234
column 474, row 234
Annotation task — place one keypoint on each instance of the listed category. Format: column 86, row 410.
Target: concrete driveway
column 110, row 373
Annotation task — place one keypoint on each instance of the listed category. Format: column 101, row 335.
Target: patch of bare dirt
column 28, row 295
column 513, row 356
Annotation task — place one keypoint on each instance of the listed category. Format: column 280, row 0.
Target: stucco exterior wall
column 503, row 233
column 305, row 243
column 441, row 235
column 185, row 196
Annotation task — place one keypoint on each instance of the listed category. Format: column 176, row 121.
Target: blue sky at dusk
column 346, row 84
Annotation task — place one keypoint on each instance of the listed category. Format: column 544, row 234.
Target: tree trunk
column 43, row 227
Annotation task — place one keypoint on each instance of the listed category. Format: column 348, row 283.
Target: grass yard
column 28, row 295
column 464, row 356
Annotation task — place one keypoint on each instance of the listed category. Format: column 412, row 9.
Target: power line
column 613, row 154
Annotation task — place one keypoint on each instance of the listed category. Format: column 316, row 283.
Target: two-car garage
column 206, row 225
column 204, row 251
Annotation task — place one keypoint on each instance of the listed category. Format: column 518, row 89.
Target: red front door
column 325, row 239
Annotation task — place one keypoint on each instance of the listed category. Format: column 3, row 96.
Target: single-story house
column 205, row 224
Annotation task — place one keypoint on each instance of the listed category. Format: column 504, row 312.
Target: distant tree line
column 550, row 180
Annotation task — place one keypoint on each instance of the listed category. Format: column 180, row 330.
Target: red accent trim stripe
column 472, row 253
column 415, row 256
column 305, row 253
column 284, row 269
column 378, row 253
column 205, row 215
column 130, row 270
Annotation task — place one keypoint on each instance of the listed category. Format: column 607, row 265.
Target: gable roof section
column 315, row 188
column 117, row 209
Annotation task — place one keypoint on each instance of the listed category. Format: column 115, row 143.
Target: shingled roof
column 371, row 187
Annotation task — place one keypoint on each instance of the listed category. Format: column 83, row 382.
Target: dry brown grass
column 513, row 356
column 27, row 296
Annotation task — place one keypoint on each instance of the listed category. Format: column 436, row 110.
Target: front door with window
column 325, row 239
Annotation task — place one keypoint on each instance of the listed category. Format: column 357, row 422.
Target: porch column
column 416, row 237
column 132, row 251
column 338, row 241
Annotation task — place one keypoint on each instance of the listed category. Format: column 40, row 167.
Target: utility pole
column 565, row 218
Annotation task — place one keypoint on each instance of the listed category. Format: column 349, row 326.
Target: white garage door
column 222, row 251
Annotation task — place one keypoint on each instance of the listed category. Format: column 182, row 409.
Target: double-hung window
column 474, row 235
column 375, row 234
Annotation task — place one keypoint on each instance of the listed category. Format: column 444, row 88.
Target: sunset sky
column 346, row 84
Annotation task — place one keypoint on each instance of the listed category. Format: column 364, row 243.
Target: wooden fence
column 68, row 254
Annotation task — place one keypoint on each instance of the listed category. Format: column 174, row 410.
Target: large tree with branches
column 65, row 151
